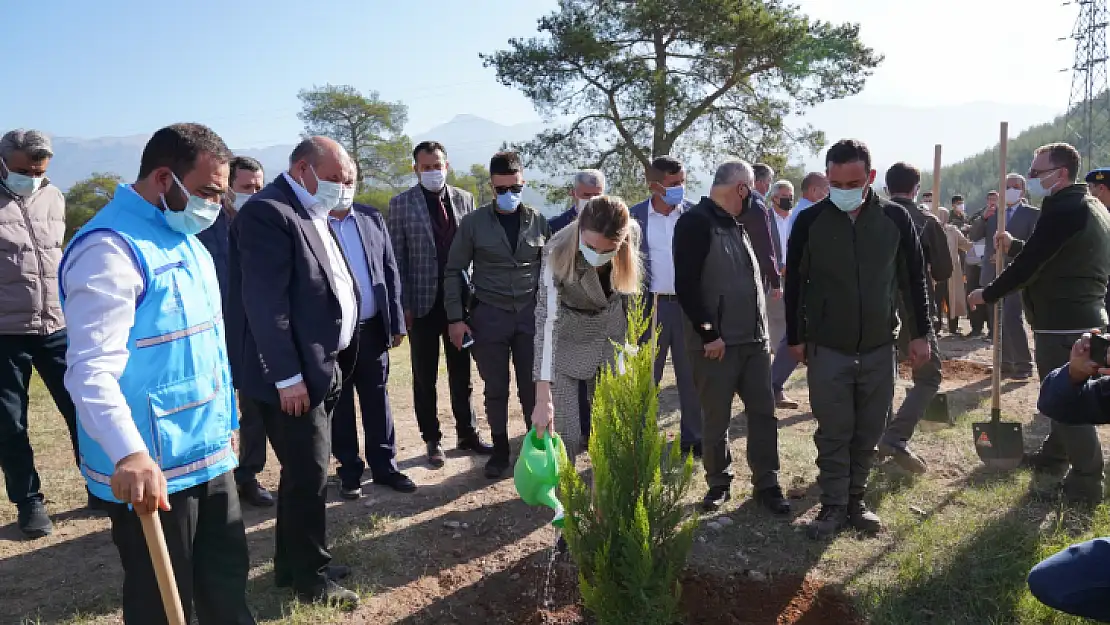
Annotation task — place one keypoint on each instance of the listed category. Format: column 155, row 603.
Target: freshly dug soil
column 515, row 596
column 961, row 370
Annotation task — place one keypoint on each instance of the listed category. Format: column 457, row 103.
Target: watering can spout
column 536, row 474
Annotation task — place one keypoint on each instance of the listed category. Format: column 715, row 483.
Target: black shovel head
column 1000, row 444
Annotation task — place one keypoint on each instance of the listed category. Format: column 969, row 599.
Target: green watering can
column 537, row 472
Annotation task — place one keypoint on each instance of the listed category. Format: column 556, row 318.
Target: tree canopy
column 86, row 197
column 371, row 129
column 703, row 78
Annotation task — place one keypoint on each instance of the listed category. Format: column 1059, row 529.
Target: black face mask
column 785, row 203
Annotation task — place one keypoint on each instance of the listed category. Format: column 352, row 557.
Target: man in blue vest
column 148, row 371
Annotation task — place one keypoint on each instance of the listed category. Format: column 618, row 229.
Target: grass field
column 958, row 544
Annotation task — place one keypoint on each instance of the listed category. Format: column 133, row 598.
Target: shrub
column 627, row 534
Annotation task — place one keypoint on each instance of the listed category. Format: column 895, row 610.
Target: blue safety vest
column 177, row 382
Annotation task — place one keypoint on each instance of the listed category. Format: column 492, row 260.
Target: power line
column 1089, row 107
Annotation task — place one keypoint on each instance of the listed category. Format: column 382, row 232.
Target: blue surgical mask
column 21, row 185
column 508, row 201
column 673, row 196
column 241, row 199
column 1035, row 188
column 846, row 200
column 596, row 259
column 197, row 216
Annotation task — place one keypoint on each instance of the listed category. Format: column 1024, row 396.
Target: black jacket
column 843, row 277
column 283, row 316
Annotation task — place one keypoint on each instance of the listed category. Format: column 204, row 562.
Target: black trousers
column 303, row 447
column 979, row 317
column 501, row 336
column 252, row 446
column 368, row 378
column 208, row 550
column 18, row 353
column 425, row 337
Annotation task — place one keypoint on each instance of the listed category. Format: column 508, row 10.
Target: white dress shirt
column 798, row 208
column 783, row 227
column 344, row 284
column 660, row 237
column 102, row 286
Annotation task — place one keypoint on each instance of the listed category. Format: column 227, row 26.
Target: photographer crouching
column 1076, row 579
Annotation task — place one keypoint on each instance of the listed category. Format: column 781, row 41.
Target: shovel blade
column 1000, row 444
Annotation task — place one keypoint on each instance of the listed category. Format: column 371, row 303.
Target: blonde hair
column 608, row 216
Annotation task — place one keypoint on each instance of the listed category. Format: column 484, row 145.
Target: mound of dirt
column 961, row 370
column 516, row 596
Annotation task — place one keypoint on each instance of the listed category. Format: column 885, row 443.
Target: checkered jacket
column 410, row 230
column 576, row 324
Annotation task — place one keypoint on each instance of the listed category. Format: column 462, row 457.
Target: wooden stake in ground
column 936, row 180
column 163, row 570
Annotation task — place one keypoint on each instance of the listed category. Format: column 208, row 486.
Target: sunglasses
column 516, row 188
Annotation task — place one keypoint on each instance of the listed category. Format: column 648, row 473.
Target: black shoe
column 692, row 449
column 715, row 498
column 254, row 494
column 862, row 519
column 333, row 595
column 350, row 492
column 334, row 573
column 772, row 499
column 1040, row 463
column 436, row 458
column 474, row 443
column 398, row 482
column 497, row 467
column 33, row 520
column 830, row 520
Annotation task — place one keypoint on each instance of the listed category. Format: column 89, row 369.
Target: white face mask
column 24, row 186
column 241, row 199
column 1013, row 196
column 347, row 197
column 596, row 259
column 327, row 192
column 580, row 204
column 433, row 180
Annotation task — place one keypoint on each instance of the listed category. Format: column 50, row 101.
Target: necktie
column 442, row 209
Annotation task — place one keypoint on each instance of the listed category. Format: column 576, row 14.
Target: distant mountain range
column 893, row 132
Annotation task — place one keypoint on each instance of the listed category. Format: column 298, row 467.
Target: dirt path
column 431, row 556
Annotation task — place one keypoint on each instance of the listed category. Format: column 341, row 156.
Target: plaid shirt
column 410, row 230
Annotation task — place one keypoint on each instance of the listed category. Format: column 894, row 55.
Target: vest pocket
column 188, row 424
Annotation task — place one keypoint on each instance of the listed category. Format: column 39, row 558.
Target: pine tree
column 628, row 534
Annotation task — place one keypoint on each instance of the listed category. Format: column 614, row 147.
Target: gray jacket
column 1020, row 225
column 502, row 278
column 31, row 234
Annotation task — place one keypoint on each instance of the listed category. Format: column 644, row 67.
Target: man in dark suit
column 657, row 217
column 361, row 233
column 588, row 184
column 294, row 309
column 422, row 224
column 1017, row 361
column 245, row 179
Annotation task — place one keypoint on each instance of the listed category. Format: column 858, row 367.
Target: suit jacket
column 410, row 230
column 283, row 316
column 385, row 279
column 563, row 220
column 640, row 213
column 757, row 223
column 215, row 240
column 1020, row 226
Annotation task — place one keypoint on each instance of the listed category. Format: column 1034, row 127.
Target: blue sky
column 121, row 67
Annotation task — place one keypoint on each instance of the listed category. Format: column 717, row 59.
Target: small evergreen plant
column 627, row 534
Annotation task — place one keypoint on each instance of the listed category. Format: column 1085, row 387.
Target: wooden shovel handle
column 999, row 265
column 163, row 570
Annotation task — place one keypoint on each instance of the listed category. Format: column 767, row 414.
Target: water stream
column 548, row 601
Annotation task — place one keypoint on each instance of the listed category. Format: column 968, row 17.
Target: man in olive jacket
column 499, row 248
column 1061, row 272
column 849, row 258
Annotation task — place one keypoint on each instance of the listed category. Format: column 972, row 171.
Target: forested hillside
column 973, row 177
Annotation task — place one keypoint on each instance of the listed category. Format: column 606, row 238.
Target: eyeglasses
column 516, row 188
column 1037, row 173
